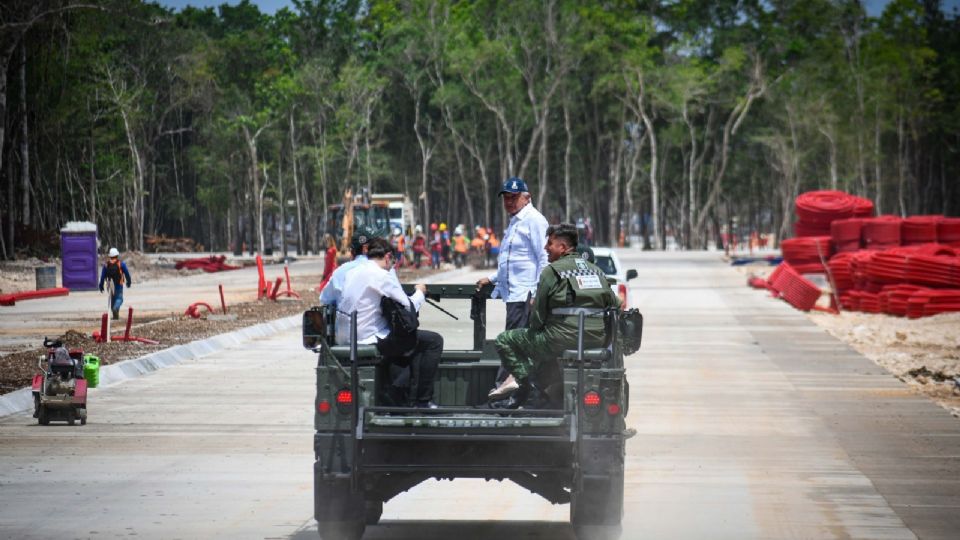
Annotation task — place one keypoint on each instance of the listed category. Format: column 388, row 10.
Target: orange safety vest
column 493, row 241
column 460, row 244
column 114, row 272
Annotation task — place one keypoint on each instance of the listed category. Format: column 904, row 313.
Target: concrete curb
column 22, row 400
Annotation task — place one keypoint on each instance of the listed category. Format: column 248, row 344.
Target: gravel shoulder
column 924, row 352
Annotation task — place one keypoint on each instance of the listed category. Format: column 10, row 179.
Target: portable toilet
column 78, row 251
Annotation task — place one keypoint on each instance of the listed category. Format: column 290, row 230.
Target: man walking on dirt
column 116, row 271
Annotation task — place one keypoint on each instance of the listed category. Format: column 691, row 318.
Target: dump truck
column 367, row 452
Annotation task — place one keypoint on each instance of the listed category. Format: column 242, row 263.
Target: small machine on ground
column 60, row 389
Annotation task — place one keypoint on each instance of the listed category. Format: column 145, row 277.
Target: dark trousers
column 518, row 316
column 412, row 375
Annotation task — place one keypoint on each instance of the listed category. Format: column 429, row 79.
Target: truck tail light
column 344, row 397
column 622, row 293
column 613, row 409
column 323, row 407
column 591, row 400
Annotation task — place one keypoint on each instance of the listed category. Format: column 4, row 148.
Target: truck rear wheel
column 341, row 530
column 373, row 511
column 340, row 514
column 597, row 509
column 43, row 418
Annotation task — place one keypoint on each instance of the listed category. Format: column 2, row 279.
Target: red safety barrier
column 223, row 303
column 289, row 292
column 276, row 289
column 262, row 285
column 797, row 290
column 194, row 309
column 103, row 336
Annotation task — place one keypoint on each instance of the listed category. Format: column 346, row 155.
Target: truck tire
column 373, row 511
column 596, row 510
column 340, row 514
column 341, row 530
column 43, row 418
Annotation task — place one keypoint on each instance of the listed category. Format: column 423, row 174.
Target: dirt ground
column 924, row 352
column 17, row 369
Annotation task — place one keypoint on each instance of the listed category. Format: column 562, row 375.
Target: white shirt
column 362, row 291
column 334, row 288
column 522, row 256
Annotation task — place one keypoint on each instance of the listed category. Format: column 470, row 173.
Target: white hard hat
column 418, row 228
column 114, row 252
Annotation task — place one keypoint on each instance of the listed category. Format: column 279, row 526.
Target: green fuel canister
column 91, row 370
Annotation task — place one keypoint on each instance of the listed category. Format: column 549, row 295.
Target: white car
column 608, row 261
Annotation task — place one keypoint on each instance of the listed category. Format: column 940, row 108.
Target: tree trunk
column 568, row 195
column 24, row 140
column 296, row 186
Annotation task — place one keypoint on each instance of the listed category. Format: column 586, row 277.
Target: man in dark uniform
column 568, row 281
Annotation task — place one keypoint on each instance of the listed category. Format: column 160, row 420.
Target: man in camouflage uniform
column 568, row 281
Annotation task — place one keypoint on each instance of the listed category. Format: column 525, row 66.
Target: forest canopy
column 666, row 121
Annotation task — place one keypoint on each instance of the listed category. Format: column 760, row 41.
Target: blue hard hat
column 513, row 185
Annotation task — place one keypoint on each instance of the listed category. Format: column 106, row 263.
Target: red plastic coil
column 824, row 206
column 881, row 232
column 840, row 269
column 948, row 230
column 919, row 230
column 846, row 234
column 804, row 253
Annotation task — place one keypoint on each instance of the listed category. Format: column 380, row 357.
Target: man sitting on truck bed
column 568, row 281
column 363, row 290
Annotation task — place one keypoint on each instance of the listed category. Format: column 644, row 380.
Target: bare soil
column 17, row 369
column 924, row 353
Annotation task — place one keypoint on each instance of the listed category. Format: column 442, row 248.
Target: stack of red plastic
column 887, row 267
column 840, row 269
column 807, row 253
column 212, row 263
column 846, row 234
column 916, row 230
column 933, row 270
column 932, row 302
column 948, row 231
column 894, row 299
column 881, row 232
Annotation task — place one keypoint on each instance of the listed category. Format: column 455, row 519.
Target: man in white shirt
column 412, row 372
column 331, row 292
column 522, row 256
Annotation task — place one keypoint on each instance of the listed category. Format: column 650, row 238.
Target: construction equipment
column 357, row 211
column 60, row 389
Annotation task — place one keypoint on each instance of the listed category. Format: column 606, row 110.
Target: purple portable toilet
column 78, row 251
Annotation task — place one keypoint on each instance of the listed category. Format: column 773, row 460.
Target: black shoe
column 116, row 314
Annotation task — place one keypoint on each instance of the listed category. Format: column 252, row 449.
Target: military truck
column 367, row 452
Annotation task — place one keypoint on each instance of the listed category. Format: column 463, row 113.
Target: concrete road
column 752, row 423
column 25, row 324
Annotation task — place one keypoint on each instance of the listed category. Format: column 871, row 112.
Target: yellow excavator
column 356, row 211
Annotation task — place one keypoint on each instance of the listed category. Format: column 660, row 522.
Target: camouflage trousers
column 521, row 350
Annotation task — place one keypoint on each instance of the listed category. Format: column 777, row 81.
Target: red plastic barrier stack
column 948, row 231
column 916, row 230
column 846, row 234
column 803, row 254
column 894, row 299
column 881, row 232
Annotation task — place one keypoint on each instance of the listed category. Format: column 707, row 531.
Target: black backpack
column 403, row 324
